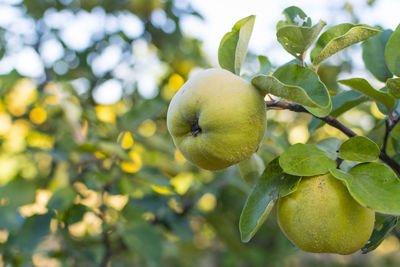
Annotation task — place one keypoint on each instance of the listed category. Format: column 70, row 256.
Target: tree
column 372, row 184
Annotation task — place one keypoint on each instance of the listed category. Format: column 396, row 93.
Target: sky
column 77, row 30
column 221, row 15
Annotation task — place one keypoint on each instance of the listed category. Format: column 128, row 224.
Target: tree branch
column 299, row 108
column 332, row 121
column 105, row 261
column 386, row 136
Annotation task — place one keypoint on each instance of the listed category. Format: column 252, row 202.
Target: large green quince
column 217, row 119
column 322, row 217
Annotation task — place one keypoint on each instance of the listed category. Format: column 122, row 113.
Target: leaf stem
column 390, row 114
column 332, row 121
column 388, row 129
column 302, row 59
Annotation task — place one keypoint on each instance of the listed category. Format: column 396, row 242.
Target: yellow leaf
column 207, row 202
column 162, row 190
column 147, row 128
column 175, row 82
column 38, row 115
column 182, row 182
column 105, row 113
column 127, row 140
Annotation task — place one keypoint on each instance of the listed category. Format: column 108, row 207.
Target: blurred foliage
column 88, row 184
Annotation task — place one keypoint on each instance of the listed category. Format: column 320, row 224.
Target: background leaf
column 330, row 146
column 392, row 52
column 34, row 229
column 15, row 194
column 341, row 103
column 364, row 87
column 373, row 54
column 298, row 84
column 373, row 185
column 359, row 148
column 393, row 86
column 294, row 16
column 147, row 241
column 339, row 37
column 62, row 198
column 251, row 168
column 142, row 110
column 305, row 160
column 265, row 65
column 233, row 47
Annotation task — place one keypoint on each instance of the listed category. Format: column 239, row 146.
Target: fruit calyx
column 195, row 128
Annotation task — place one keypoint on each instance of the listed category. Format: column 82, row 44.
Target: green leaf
column 34, row 229
column 233, row 47
column 392, row 52
column 341, row 103
column 251, row 168
column 373, row 185
column 298, row 84
column 395, row 133
column 380, row 232
column 154, row 176
column 330, row 146
column 73, row 214
column 297, row 39
column 393, row 86
column 329, row 73
column 112, row 148
column 62, row 198
column 339, row 37
column 294, row 16
column 305, row 160
column 261, row 200
column 181, row 227
column 18, row 192
column 290, row 185
column 359, row 148
column 141, row 111
column 144, row 239
column 265, row 65
column 364, row 87
column 10, row 218
column 14, row 194
column 383, row 109
column 373, row 54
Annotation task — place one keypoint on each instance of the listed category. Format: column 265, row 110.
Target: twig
column 107, row 247
column 302, row 59
column 386, row 136
column 299, row 108
column 105, row 261
column 394, row 123
column 332, row 121
column 338, row 162
column 388, row 129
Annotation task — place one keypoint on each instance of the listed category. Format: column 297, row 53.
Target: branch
column 105, row 261
column 389, row 128
column 332, row 121
column 386, row 136
column 107, row 250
